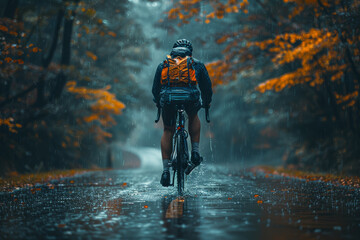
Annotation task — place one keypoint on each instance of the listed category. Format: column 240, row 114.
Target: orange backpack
column 178, row 72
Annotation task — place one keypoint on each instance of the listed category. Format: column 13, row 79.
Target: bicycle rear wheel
column 180, row 164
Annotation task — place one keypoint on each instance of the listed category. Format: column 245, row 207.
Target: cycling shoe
column 195, row 161
column 165, row 179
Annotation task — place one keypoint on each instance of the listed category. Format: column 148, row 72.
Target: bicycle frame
column 180, row 154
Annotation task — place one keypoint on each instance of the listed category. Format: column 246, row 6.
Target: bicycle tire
column 180, row 166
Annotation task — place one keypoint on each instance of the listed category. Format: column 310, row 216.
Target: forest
column 76, row 76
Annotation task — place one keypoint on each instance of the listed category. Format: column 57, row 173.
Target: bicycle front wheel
column 180, row 164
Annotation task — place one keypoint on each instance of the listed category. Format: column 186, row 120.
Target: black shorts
column 169, row 112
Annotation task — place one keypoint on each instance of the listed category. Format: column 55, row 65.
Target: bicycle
column 180, row 154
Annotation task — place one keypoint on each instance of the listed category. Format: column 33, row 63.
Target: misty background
column 85, row 100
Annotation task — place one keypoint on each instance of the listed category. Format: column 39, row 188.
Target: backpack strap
column 188, row 63
column 192, row 63
column 168, row 71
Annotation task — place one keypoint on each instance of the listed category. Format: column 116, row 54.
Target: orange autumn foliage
column 9, row 122
column 316, row 51
column 322, row 54
column 184, row 10
column 316, row 5
column 337, row 180
column 91, row 55
column 103, row 105
column 14, row 180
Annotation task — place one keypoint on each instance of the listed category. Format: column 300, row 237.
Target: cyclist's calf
column 166, row 141
column 194, row 127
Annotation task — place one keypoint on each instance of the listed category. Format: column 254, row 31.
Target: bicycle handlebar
column 158, row 115
column 207, row 116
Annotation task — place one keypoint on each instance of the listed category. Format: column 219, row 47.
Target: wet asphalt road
column 219, row 204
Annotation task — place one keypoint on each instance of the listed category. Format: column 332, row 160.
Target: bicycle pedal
column 189, row 168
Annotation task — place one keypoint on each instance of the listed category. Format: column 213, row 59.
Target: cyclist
column 182, row 49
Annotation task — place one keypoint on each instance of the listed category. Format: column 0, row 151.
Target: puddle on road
column 131, row 203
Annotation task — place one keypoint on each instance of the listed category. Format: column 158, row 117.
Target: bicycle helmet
column 183, row 43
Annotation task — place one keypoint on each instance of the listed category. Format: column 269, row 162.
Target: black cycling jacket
column 202, row 76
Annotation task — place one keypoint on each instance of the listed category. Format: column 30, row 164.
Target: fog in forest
column 76, row 79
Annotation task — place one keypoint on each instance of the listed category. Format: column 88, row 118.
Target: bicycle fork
column 180, row 135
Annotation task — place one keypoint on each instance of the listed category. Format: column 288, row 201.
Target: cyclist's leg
column 194, row 131
column 194, row 123
column 194, row 127
column 169, row 120
column 166, row 142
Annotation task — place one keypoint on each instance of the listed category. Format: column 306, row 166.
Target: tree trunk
column 66, row 54
column 40, row 101
column 10, row 9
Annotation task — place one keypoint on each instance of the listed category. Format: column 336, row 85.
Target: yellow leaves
column 112, row 34
column 217, row 71
column 90, row 12
column 91, row 118
column 100, row 135
column 104, row 103
column 13, row 33
column 3, row 28
column 337, row 76
column 10, row 123
column 315, row 50
column 91, row 55
column 172, row 14
column 315, row 5
column 222, row 39
column 189, row 2
column 286, row 80
column 8, row 59
column 348, row 100
column 210, row 15
column 19, row 61
column 86, row 28
column 186, row 9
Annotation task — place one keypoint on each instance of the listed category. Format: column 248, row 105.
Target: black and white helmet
column 183, row 43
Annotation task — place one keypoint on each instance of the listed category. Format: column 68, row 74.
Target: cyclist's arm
column 157, row 85
column 205, row 85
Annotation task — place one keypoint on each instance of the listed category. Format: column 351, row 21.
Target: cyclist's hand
column 206, row 105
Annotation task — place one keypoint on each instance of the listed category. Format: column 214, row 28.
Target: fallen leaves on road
column 15, row 181
column 351, row 181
